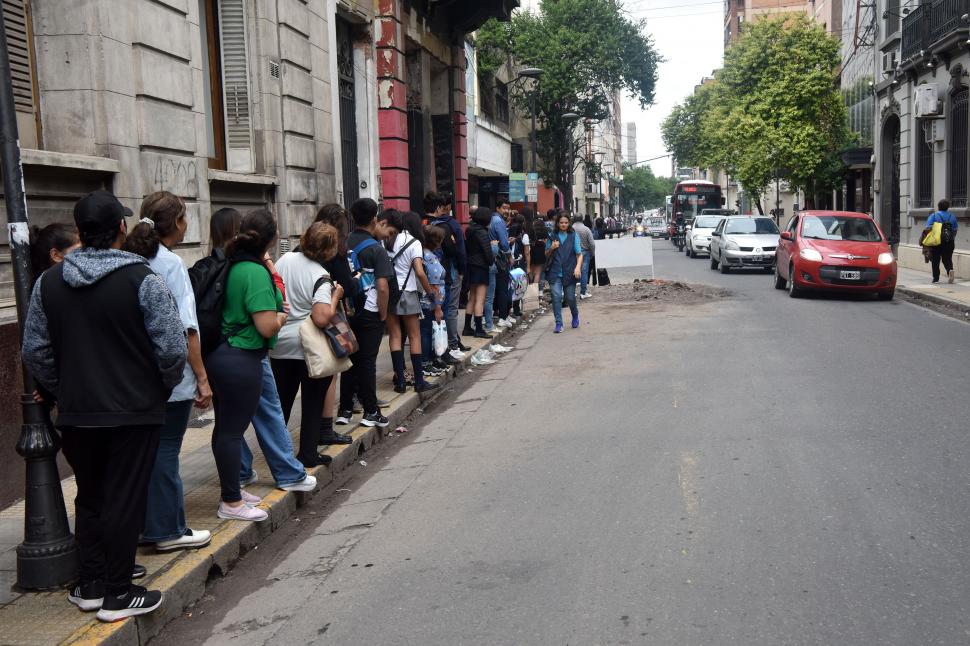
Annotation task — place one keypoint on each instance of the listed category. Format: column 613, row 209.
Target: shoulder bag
column 322, row 359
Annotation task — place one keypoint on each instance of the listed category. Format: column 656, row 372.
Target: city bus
column 693, row 196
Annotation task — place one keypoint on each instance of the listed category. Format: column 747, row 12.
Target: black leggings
column 237, row 380
column 942, row 252
column 291, row 375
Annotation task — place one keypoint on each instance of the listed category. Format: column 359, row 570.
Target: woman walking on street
column 310, row 293
column 162, row 227
column 564, row 269
column 943, row 251
column 407, row 257
column 478, row 246
column 251, row 319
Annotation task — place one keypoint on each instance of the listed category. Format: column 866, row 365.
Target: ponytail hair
column 223, row 227
column 257, row 231
column 54, row 237
column 160, row 213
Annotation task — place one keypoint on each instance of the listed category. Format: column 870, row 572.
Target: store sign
column 517, row 187
column 532, row 187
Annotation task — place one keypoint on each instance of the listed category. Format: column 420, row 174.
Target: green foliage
column 774, row 105
column 588, row 50
column 643, row 190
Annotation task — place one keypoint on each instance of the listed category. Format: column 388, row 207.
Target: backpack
column 208, row 277
column 946, row 234
column 363, row 276
column 395, row 290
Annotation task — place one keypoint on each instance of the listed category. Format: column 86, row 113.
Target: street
column 746, row 469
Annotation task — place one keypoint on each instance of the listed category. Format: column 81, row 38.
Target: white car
column 744, row 241
column 699, row 235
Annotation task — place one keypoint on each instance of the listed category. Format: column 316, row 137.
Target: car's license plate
column 850, row 275
column 756, row 258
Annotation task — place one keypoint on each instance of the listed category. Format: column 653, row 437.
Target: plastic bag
column 934, row 236
column 520, row 282
column 439, row 337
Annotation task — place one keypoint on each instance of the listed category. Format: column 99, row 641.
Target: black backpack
column 208, row 277
column 946, row 232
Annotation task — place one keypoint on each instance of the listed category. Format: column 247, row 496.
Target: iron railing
column 946, row 17
column 916, row 31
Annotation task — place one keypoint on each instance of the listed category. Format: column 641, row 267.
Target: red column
column 392, row 116
column 460, row 123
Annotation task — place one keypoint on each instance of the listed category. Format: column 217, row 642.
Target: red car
column 834, row 250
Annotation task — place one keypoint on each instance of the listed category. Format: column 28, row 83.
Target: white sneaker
column 249, row 498
column 309, row 483
column 512, row 320
column 585, row 296
column 503, row 323
column 250, row 480
column 457, row 354
column 242, row 512
column 192, row 539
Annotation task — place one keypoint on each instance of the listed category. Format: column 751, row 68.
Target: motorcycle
column 680, row 236
column 640, row 231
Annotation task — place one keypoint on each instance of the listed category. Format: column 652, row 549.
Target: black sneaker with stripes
column 87, row 596
column 137, row 601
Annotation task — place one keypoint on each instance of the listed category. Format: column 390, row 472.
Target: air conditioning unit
column 889, row 62
column 934, row 130
column 926, row 101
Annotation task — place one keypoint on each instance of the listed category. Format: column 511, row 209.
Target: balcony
column 930, row 26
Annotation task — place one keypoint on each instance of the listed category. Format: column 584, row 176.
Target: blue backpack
column 363, row 276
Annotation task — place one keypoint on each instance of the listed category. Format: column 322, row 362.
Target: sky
column 689, row 34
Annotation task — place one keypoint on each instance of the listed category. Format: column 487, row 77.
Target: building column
column 460, row 129
column 392, row 117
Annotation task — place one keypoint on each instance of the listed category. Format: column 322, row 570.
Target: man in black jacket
column 103, row 335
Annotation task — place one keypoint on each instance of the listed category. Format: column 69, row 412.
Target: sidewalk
column 918, row 287
column 45, row 618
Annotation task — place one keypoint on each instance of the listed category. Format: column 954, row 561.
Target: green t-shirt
column 249, row 289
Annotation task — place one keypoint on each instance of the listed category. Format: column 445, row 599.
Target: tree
column 589, row 50
column 643, row 190
column 774, row 106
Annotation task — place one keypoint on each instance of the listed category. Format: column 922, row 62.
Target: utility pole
column 48, row 557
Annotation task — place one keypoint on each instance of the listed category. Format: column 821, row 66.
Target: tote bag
column 934, row 236
column 321, row 361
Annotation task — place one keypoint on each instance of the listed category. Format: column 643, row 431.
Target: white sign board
column 625, row 252
column 532, row 187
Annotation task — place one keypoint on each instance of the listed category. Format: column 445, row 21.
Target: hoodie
column 103, row 334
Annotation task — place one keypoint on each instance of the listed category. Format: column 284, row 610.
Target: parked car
column 699, row 234
column 835, row 250
column 657, row 227
column 744, row 241
column 718, row 212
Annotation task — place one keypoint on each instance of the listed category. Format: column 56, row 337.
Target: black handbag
column 602, row 277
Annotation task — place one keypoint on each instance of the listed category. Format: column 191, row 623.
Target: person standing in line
column 521, row 245
column 271, row 432
column 103, row 336
column 943, row 252
column 162, row 227
column 588, row 246
column 310, row 293
column 49, row 245
column 252, row 316
column 368, row 322
column 498, row 281
column 480, row 258
column 453, row 259
column 407, row 257
column 432, row 302
column 564, row 269
column 599, row 225
column 537, row 256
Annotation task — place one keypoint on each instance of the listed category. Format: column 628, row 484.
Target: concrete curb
column 183, row 581
column 951, row 308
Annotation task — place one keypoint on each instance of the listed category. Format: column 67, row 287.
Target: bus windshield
column 691, row 204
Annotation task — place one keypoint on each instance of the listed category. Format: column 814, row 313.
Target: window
column 518, row 159
column 892, row 17
column 924, row 169
column 16, row 20
column 486, row 97
column 958, row 149
column 225, row 73
column 501, row 102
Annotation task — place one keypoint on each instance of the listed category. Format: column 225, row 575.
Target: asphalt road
column 745, row 470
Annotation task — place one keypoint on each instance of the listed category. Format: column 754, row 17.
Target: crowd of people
column 125, row 340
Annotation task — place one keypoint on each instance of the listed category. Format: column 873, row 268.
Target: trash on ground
column 363, row 463
column 401, row 429
column 339, row 490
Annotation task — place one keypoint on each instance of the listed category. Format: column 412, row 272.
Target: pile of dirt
column 672, row 291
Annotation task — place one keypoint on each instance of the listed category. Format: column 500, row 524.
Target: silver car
column 744, row 241
column 699, row 234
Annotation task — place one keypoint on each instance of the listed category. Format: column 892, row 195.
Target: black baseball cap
column 99, row 212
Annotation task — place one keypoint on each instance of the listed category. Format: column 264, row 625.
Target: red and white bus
column 693, row 196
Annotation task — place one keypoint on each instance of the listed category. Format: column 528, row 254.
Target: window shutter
column 235, row 86
column 18, row 47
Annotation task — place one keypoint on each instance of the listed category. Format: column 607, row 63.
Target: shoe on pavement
column 558, row 328
column 190, row 540
column 344, row 417
column 483, row 335
column 357, row 407
column 426, row 387
column 138, row 571
column 87, row 596
column 308, row 483
column 137, row 601
column 575, row 322
column 249, row 498
column 468, row 332
column 242, row 512
column 456, row 354
column 461, row 347
column 449, row 360
column 585, row 296
column 333, row 437
column 503, row 323
column 375, row 419
column 951, row 276
column 382, row 404
column 250, row 480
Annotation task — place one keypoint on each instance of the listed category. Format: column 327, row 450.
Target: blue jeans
column 558, row 291
column 489, row 299
column 584, row 272
column 273, row 437
column 452, row 297
column 165, row 510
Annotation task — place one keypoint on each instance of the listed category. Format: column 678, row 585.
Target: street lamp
column 533, row 73
column 569, row 119
column 48, row 557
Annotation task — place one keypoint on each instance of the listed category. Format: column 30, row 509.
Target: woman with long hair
column 564, row 269
column 478, row 246
column 252, row 317
column 406, row 236
column 49, row 245
column 537, row 255
column 161, row 227
column 310, row 292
